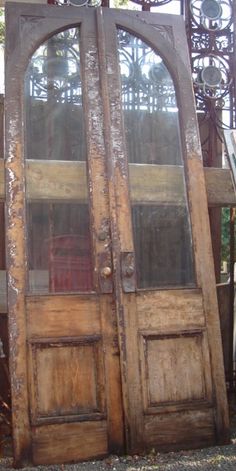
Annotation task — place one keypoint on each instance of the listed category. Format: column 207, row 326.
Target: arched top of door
column 32, row 25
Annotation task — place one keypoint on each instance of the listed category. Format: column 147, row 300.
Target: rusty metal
column 105, row 278
column 128, row 272
column 145, row 4
column 212, row 44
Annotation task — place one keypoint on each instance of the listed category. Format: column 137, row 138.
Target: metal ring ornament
column 151, row 3
column 211, row 77
column 79, row 3
column 212, row 15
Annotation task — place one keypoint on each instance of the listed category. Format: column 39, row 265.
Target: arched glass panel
column 59, row 248
column 161, row 225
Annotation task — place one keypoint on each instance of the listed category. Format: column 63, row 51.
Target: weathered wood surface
column 150, row 184
column 220, row 187
column 76, row 395
column 79, row 419
column 82, row 319
column 223, row 293
column 177, row 384
column 3, row 2
column 49, row 442
column 175, row 428
column 2, row 180
column 158, row 417
column 206, row 279
column 1, row 126
column 170, row 311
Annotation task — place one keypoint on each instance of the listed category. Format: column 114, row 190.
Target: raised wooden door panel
column 67, row 375
column 173, row 374
column 66, row 386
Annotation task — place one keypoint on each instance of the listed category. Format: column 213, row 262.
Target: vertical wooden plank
column 121, row 224
column 100, row 223
column 2, row 238
column 113, row 388
column 202, row 239
column 1, row 125
column 98, row 191
column 15, row 227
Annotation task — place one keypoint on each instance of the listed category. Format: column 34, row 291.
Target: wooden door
column 112, row 301
column 66, row 390
column 170, row 345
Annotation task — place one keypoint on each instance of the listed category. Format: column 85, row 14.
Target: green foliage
column 225, row 234
column 123, row 4
column 2, row 26
column 119, row 3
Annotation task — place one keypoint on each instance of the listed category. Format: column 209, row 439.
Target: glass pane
column 161, row 226
column 53, row 100
column 59, row 246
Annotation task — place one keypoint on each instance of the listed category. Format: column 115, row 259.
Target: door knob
column 106, row 272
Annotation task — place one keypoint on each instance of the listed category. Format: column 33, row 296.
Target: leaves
column 2, row 26
column 225, row 234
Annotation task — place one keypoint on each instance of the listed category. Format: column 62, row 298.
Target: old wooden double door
column 113, row 320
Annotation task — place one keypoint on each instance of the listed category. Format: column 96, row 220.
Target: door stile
column 122, row 242
column 101, row 232
column 15, row 251
column 204, row 261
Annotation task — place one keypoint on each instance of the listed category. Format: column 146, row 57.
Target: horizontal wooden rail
column 149, row 184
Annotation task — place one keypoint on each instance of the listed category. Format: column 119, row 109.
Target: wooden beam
column 2, row 2
column 220, row 187
column 150, row 184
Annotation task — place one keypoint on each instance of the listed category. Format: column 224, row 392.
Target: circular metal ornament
column 211, row 76
column 212, row 15
column 79, row 3
column 151, row 3
column 211, row 9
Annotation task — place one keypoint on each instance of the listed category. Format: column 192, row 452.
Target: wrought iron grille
column 210, row 29
column 211, row 38
column 54, row 70
column 146, row 82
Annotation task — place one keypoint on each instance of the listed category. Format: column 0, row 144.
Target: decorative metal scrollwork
column 151, row 3
column 211, row 76
column 213, row 15
column 210, row 29
column 78, row 3
column 146, row 82
column 54, row 70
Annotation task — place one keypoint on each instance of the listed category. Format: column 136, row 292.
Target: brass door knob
column 106, row 272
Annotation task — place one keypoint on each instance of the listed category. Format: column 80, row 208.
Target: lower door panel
column 70, row 380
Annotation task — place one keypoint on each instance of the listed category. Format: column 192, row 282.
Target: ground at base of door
column 207, row 459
